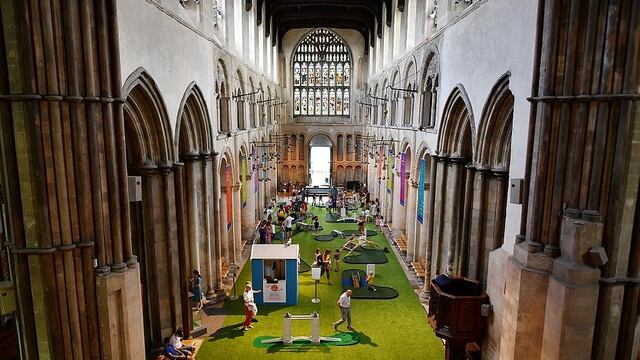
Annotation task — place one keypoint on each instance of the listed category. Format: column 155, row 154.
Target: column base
column 120, row 315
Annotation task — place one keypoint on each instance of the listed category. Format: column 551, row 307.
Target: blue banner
column 421, row 180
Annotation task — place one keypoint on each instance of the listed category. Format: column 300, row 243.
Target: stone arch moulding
column 423, row 151
column 494, row 132
column 193, row 122
column 227, row 155
column 152, row 129
column 457, row 110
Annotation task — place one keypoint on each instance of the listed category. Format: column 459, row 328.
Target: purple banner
column 403, row 175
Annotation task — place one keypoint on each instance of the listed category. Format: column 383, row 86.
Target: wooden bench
column 419, row 268
column 401, row 241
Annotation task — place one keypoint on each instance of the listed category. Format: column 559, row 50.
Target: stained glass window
column 321, row 75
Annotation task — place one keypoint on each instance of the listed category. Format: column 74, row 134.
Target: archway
column 491, row 162
column 195, row 218
column 320, row 160
column 155, row 238
column 454, row 187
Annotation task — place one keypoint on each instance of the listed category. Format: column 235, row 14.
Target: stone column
column 63, row 146
column 477, row 219
column 455, row 193
column 192, row 219
column 399, row 211
column 582, row 172
column 206, row 240
column 183, row 247
column 248, row 212
column 217, row 223
column 572, row 295
column 413, row 234
column 437, row 216
column 237, row 221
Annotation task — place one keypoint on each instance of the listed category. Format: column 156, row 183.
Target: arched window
column 429, row 93
column 321, row 75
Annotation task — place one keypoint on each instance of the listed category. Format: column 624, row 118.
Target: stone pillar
column 206, row 240
column 193, row 179
column 217, row 223
column 454, row 220
column 62, row 136
column 572, row 296
column 413, row 232
column 237, row 221
column 399, row 211
column 477, row 220
column 226, row 237
column 437, row 216
column 249, row 211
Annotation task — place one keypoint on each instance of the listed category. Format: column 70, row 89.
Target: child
column 336, row 259
column 370, row 278
column 378, row 222
column 316, row 225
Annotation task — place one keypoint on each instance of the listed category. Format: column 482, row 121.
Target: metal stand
column 315, row 299
column 235, row 294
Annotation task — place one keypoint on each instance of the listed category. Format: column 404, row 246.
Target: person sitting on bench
column 370, row 279
column 171, row 352
column 176, row 341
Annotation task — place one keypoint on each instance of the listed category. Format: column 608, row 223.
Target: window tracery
column 321, row 75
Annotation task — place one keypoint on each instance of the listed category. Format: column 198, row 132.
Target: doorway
column 320, row 166
column 320, row 155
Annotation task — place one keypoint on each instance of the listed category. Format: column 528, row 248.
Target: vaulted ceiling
column 364, row 16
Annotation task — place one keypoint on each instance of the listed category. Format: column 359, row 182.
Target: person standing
column 196, row 288
column 288, row 224
column 336, row 260
column 326, row 265
column 344, row 304
column 250, row 308
column 268, row 232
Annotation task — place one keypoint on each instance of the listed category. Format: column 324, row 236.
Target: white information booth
column 274, row 270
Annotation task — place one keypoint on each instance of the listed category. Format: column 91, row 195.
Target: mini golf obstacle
column 287, row 337
column 359, row 288
column 367, row 256
column 335, row 218
column 343, row 234
column 303, row 266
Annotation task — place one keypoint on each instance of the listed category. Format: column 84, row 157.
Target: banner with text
column 421, row 179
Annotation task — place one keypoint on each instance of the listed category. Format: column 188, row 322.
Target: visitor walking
column 288, row 224
column 344, row 304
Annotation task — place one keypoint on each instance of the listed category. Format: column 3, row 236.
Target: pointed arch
column 493, row 149
column 457, row 126
column 429, row 89
column 146, row 121
column 193, row 128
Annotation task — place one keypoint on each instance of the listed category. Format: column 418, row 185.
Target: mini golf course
column 385, row 327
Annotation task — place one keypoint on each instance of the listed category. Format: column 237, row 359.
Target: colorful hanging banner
column 264, row 164
column 229, row 196
column 421, row 180
column 390, row 171
column 403, row 176
column 254, row 173
column 380, row 161
column 243, row 179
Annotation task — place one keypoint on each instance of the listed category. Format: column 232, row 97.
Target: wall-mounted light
column 185, row 2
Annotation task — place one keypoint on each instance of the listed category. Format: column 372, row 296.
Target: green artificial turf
column 389, row 329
